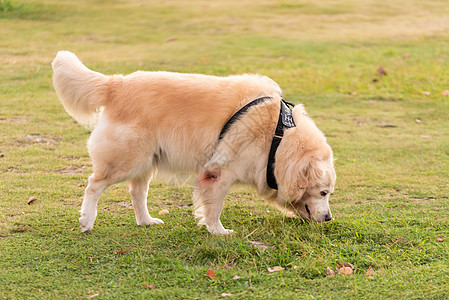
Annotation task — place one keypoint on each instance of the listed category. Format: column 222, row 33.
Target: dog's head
column 304, row 170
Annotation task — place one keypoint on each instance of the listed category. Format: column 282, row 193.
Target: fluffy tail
column 81, row 90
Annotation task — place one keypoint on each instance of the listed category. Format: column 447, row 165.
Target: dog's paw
column 221, row 231
column 150, row 221
column 227, row 231
column 86, row 223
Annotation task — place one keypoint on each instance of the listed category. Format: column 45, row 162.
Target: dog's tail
column 81, row 90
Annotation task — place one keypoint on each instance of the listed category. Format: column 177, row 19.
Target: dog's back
column 146, row 98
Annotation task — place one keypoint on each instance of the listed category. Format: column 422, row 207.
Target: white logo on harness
column 287, row 118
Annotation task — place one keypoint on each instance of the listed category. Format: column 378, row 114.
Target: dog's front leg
column 208, row 198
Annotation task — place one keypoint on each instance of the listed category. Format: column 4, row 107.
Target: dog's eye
column 323, row 193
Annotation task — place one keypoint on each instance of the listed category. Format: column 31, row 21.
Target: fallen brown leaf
column 339, row 263
column 163, row 212
column 381, row 71
column 123, row 252
column 425, row 93
column 439, row 238
column 72, row 228
column 330, row 272
column 275, row 269
column 345, row 271
column 31, row 200
column 93, row 296
column 236, row 277
column 2, row 155
column 418, row 121
column 370, row 272
column 346, row 264
column 210, row 274
column 171, row 38
column 150, row 286
column 226, row 295
column 445, row 93
column 259, row 245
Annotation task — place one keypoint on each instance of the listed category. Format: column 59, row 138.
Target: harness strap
column 240, row 112
column 285, row 120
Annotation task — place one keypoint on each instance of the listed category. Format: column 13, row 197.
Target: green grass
column 391, row 200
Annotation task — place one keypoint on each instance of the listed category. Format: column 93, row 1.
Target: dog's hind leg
column 208, row 197
column 138, row 189
column 92, row 193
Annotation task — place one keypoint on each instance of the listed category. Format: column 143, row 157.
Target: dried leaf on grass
column 226, row 295
column 31, row 200
column 93, row 296
column 330, row 272
column 344, row 268
column 123, row 252
column 370, row 272
column 163, row 212
column 345, row 271
column 210, row 274
column 445, row 93
column 151, row 286
column 275, row 269
column 236, row 277
column 346, row 264
column 381, row 71
column 171, row 38
column 439, row 238
column 259, row 245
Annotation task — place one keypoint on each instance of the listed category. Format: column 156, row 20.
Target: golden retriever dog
column 147, row 121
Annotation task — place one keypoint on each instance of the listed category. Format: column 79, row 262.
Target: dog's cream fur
column 160, row 120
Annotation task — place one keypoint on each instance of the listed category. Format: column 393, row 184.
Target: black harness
column 285, row 121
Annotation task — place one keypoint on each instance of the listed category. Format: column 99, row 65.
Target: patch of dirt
column 13, row 170
column 73, row 170
column 18, row 119
column 19, row 227
column 30, row 139
column 423, row 198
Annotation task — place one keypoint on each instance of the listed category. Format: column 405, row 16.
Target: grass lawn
column 389, row 133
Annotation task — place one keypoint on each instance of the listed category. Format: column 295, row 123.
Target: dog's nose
column 328, row 217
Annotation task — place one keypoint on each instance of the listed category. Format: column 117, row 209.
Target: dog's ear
column 310, row 169
column 295, row 177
